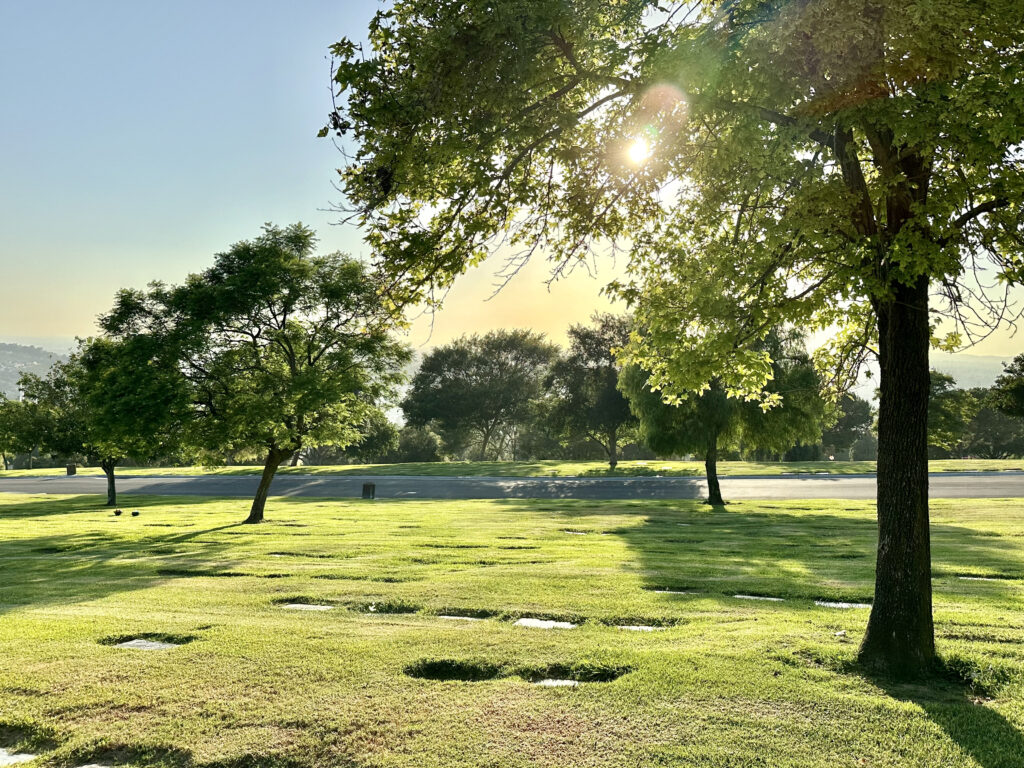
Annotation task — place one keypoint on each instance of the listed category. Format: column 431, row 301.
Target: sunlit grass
column 721, row 682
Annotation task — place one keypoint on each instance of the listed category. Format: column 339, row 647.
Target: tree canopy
column 479, row 388
column 708, row 422
column 276, row 347
column 107, row 402
column 583, row 384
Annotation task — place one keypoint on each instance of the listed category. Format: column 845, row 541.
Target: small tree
column 852, row 423
column 17, row 431
column 1008, row 390
column 584, row 385
column 108, row 401
column 378, row 438
column 705, row 422
column 991, row 433
column 950, row 410
column 479, row 387
column 702, row 423
column 276, row 347
column 416, row 444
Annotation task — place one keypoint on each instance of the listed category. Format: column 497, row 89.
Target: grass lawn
column 382, row 679
column 553, row 468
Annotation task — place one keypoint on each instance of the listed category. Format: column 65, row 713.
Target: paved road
column 943, row 485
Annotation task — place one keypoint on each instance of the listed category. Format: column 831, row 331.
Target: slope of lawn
column 552, row 468
column 382, row 679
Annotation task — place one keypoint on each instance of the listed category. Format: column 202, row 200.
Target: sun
column 638, row 151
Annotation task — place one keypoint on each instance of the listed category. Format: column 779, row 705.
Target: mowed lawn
column 552, row 468
column 382, row 679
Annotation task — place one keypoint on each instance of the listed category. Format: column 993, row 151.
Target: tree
column 108, row 401
column 702, row 423
column 823, row 164
column 479, row 386
column 709, row 421
column 584, row 385
column 378, row 438
column 1008, row 391
column 275, row 346
column 417, row 444
column 17, row 432
column 853, row 422
column 992, row 434
column 950, row 410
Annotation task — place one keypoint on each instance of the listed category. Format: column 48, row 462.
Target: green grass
column 724, row 683
column 552, row 468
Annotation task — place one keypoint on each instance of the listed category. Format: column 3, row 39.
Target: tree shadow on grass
column 964, row 715
column 784, row 549
column 66, row 568
column 43, row 505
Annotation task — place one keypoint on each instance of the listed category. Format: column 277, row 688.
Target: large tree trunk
column 900, row 637
column 711, row 471
column 295, row 459
column 108, row 470
column 275, row 457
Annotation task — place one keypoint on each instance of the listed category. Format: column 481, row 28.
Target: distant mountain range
column 16, row 359
column 970, row 371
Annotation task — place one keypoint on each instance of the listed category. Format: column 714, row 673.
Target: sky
column 139, row 139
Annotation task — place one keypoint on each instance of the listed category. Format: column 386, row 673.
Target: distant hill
column 970, row 371
column 16, row 359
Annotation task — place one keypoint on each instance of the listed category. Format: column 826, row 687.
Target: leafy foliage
column 479, row 388
column 277, row 347
column 769, row 164
column 853, row 420
column 949, row 412
column 1008, row 390
column 583, row 385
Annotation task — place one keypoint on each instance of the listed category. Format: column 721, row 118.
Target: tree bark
column 275, row 457
column 295, row 459
column 900, row 637
column 711, row 471
column 613, row 448
column 108, row 470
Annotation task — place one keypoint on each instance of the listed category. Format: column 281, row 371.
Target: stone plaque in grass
column 840, row 604
column 544, row 623
column 760, row 597
column 141, row 644
column 147, row 641
column 13, row 758
column 386, row 607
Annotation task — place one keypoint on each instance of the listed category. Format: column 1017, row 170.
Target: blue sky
column 137, row 139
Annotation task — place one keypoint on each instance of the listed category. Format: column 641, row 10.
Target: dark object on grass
column 72, row 469
column 117, row 513
column 135, row 513
column 369, row 490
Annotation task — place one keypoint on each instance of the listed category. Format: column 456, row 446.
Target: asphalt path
column 1008, row 484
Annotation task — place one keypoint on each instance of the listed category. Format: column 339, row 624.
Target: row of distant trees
column 508, row 394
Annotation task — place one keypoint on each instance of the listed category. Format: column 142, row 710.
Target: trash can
column 72, row 469
column 369, row 490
